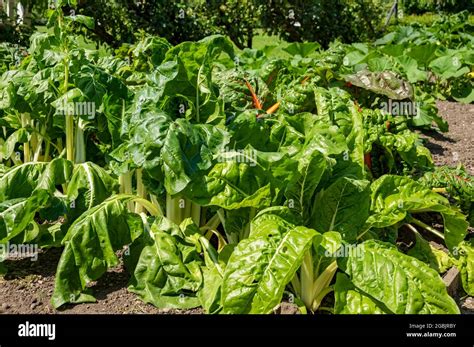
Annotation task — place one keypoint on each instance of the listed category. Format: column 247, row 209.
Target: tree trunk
column 11, row 10
column 393, row 10
column 249, row 38
column 26, row 15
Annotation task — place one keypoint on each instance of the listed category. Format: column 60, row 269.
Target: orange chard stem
column 304, row 80
column 256, row 102
column 273, row 108
column 368, row 160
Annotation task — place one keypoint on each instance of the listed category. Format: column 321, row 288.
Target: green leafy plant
column 233, row 180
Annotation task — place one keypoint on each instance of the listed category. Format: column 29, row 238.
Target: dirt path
column 28, row 287
column 457, row 145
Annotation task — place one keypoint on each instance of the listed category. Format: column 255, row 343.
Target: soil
column 457, row 145
column 28, row 286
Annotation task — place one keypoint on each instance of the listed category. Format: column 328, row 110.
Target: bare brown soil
column 28, row 286
column 457, row 145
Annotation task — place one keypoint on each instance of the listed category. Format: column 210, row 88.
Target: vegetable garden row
column 232, row 180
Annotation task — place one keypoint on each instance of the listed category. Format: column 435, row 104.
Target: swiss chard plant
column 232, row 180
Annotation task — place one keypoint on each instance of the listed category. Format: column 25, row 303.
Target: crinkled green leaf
column 17, row 214
column 21, row 180
column 311, row 166
column 90, row 246
column 394, row 197
column 402, row 283
column 88, row 186
column 343, row 206
column 165, row 268
column 465, row 264
column 8, row 147
column 349, row 300
column 437, row 259
column 187, row 151
column 244, row 179
column 261, row 266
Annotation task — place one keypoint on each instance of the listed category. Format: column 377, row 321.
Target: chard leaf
column 20, row 181
column 393, row 197
column 165, row 267
column 19, row 136
column 26, row 190
column 187, row 71
column 402, row 283
column 89, row 186
column 57, row 172
column 210, row 293
column 236, row 223
column 276, row 217
column 262, row 265
column 90, row 246
column 327, row 139
column 187, row 151
column 17, row 214
column 349, row 300
column 343, row 206
column 173, row 152
column 465, row 264
column 311, row 166
column 435, row 258
column 212, row 274
column 244, row 179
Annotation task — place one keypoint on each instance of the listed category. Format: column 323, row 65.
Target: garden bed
column 28, row 286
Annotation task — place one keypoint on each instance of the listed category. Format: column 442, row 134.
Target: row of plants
column 231, row 180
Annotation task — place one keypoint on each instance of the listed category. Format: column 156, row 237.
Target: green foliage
column 165, row 266
column 226, row 178
column 90, row 246
column 457, row 183
column 422, row 6
column 323, row 21
column 261, row 266
column 396, row 281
